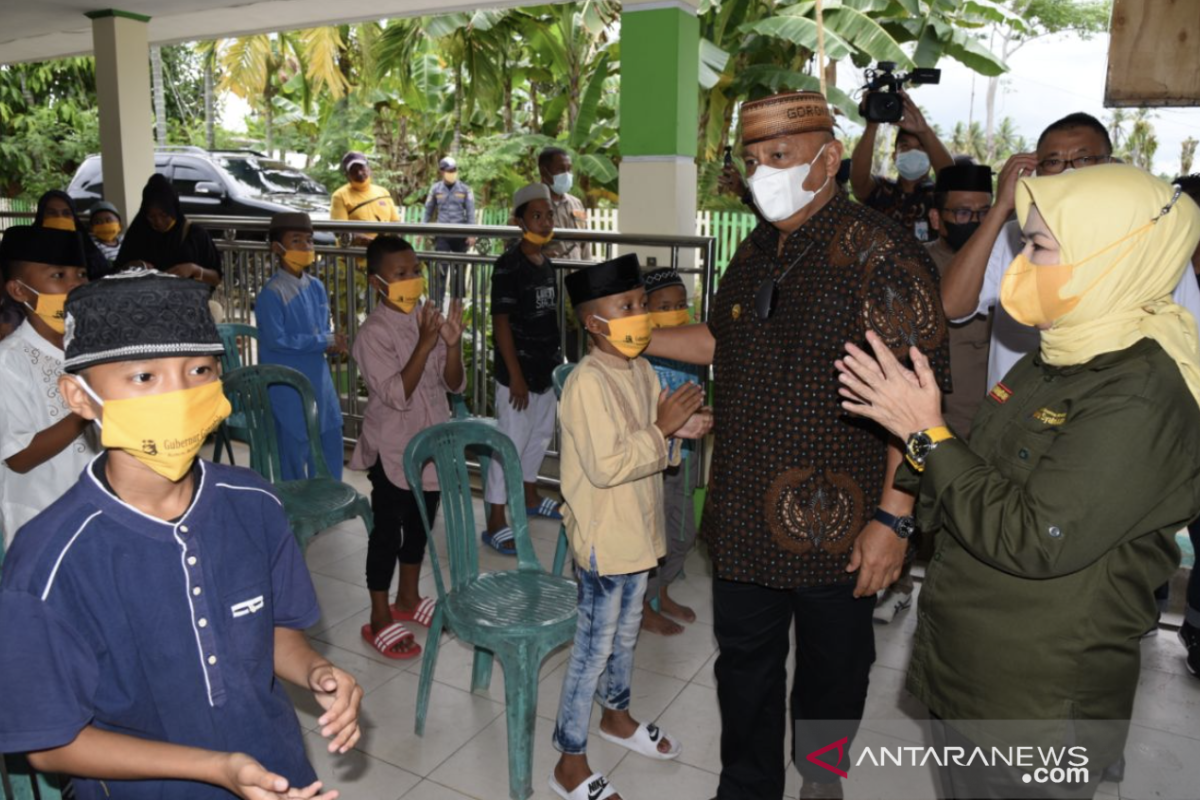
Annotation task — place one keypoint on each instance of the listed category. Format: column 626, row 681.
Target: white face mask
column 780, row 193
column 563, row 182
column 912, row 164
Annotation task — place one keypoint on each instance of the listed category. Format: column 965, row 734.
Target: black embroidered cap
column 138, row 314
column 603, row 280
column 661, row 278
column 42, row 246
column 964, row 178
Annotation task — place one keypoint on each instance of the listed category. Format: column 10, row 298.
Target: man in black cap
column 449, row 202
column 361, row 200
column 148, row 614
column 619, row 432
column 43, row 446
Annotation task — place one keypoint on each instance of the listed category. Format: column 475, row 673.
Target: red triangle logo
column 840, row 746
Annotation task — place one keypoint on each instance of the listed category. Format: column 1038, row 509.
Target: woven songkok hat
column 784, row 115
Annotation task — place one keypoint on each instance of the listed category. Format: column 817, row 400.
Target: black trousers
column 398, row 534
column 835, row 647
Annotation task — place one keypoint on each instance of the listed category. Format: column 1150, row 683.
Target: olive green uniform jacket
column 1053, row 528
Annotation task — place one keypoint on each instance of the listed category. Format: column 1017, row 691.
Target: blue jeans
column 601, row 663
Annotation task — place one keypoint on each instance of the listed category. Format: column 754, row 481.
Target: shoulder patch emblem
column 1000, row 393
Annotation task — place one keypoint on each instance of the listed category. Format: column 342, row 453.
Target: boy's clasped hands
column 433, row 325
column 682, row 413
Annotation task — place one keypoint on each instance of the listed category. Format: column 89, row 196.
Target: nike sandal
column 595, row 787
column 645, row 742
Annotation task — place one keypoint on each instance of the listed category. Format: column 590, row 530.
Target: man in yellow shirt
column 360, row 200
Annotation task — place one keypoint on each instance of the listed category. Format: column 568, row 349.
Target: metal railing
column 247, row 266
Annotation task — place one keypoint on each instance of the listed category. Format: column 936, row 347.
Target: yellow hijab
column 1124, row 291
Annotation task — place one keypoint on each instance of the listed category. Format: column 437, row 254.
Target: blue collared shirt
column 161, row 630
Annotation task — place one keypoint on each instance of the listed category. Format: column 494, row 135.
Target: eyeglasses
column 1051, row 166
column 965, row 215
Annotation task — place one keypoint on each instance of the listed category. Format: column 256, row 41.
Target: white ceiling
column 45, row 29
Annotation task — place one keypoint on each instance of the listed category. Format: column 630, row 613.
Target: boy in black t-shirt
column 525, row 327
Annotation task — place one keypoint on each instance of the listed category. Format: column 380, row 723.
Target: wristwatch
column 922, row 443
column 903, row 527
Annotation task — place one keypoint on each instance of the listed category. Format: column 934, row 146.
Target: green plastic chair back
column 518, row 615
column 563, row 548
column 312, row 504
column 559, row 378
column 19, row 781
column 233, row 428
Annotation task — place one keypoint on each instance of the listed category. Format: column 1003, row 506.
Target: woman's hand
column 883, row 390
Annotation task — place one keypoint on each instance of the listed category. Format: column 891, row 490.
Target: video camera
column 883, row 102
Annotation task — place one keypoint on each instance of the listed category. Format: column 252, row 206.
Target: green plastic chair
column 518, row 615
column 25, row 783
column 312, row 504
column 235, row 426
column 563, row 548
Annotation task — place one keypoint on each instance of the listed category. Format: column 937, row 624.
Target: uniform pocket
column 248, row 615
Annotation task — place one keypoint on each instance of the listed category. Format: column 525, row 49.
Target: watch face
column 919, row 445
column 905, row 527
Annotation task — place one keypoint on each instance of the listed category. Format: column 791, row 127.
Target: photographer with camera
column 908, row 199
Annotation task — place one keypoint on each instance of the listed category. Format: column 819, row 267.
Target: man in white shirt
column 971, row 283
column 43, row 446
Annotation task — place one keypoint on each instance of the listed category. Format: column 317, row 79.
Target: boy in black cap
column 294, row 331
column 668, row 301
column 148, row 614
column 617, row 429
column 43, row 446
column 104, row 225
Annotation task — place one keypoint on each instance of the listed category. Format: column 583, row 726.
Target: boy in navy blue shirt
column 147, row 614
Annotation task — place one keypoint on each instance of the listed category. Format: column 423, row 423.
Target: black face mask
column 957, row 234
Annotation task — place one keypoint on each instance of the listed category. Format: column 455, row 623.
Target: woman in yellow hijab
column 1054, row 527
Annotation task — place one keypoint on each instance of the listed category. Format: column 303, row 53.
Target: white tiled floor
column 463, row 752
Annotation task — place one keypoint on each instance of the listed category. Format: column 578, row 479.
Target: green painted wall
column 659, row 82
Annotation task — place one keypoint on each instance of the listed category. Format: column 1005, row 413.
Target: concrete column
column 660, row 42
column 126, row 117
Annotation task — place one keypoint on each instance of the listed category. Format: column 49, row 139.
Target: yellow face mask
column 59, row 223
column 630, row 335
column 538, row 239
column 670, row 319
column 1031, row 294
column 163, row 431
column 361, row 186
column 107, row 231
column 50, row 308
column 405, row 293
column 298, row 260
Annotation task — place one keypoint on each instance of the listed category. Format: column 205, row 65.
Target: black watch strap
column 901, row 526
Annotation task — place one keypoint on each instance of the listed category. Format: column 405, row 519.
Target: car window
column 258, row 177
column 186, row 177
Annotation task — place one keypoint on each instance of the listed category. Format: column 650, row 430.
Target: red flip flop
column 422, row 614
column 388, row 638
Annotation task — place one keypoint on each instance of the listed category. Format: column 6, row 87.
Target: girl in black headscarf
column 161, row 237
column 56, row 209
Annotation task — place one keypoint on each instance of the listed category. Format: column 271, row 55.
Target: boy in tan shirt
column 617, row 438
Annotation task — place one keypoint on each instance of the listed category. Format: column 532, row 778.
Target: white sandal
column 645, row 742
column 594, row 787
